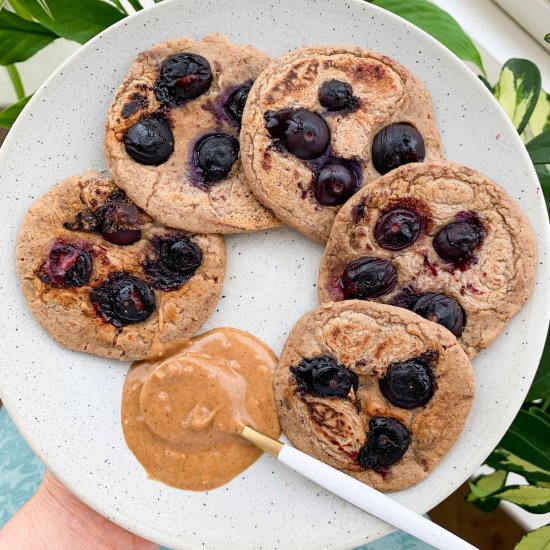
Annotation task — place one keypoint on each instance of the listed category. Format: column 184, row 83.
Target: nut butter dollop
column 182, row 413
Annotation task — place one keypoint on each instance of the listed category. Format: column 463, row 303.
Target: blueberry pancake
column 322, row 122
column 373, row 390
column 172, row 135
column 439, row 239
column 101, row 276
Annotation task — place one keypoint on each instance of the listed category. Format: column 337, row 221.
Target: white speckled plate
column 67, row 404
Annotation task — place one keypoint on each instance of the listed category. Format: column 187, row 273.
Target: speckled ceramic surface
column 67, row 404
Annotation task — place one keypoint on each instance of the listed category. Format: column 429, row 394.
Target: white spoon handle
column 371, row 500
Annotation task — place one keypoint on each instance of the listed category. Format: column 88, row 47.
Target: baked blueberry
column 182, row 77
column 441, row 309
column 304, row 134
column 397, row 229
column 234, row 106
column 214, row 155
column 387, row 441
column 150, row 140
column 118, row 220
column 123, row 299
column 123, row 237
column 323, row 375
column 335, row 184
column 336, row 95
column 395, row 145
column 68, row 265
column 408, row 384
column 457, row 240
column 367, row 278
column 174, row 261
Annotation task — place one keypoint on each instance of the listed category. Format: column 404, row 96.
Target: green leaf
column 9, row 114
column 540, row 119
column 77, row 20
column 540, row 389
column 20, row 10
column 20, row 39
column 135, row 4
column 539, row 539
column 531, row 498
column 436, row 22
column 533, row 428
column 518, row 90
column 539, row 148
column 486, row 82
column 537, row 411
column 547, row 38
column 484, row 485
column 520, row 445
column 504, row 460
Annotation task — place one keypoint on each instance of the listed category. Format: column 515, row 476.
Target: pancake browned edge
column 386, row 93
column 490, row 285
column 172, row 192
column 365, row 338
column 67, row 312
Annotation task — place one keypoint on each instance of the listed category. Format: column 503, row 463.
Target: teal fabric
column 21, row 473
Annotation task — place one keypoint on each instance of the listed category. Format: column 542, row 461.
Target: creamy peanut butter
column 182, row 413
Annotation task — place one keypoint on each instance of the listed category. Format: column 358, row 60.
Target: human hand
column 55, row 519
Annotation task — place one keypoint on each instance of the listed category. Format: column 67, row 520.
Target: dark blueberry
column 324, row 376
column 67, row 266
column 175, row 260
column 443, row 310
column 234, row 106
column 397, row 229
column 457, row 240
column 406, row 298
column 395, row 145
column 305, row 134
column 123, row 237
column 214, row 155
column 150, row 140
column 387, row 441
column 124, row 299
column 335, row 184
column 367, row 278
column 408, row 383
column 118, row 220
column 336, row 95
column 182, row 77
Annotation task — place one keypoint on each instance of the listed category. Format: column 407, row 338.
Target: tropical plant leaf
column 486, row 484
column 135, row 4
column 540, row 388
column 8, row 115
column 531, row 498
column 535, row 429
column 505, row 460
column 539, row 539
column 20, row 39
column 482, row 487
column 77, row 20
column 486, row 82
column 20, row 10
column 518, row 90
column 539, row 148
column 437, row 23
column 538, row 411
column 520, row 445
column 540, row 119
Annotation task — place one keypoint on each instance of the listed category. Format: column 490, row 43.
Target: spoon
column 357, row 493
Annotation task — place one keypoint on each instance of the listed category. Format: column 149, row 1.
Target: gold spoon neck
column 264, row 442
